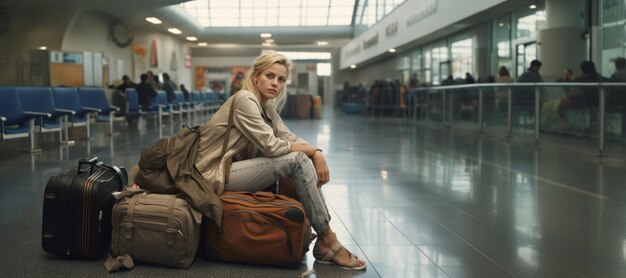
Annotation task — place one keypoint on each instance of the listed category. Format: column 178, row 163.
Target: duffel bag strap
column 131, row 216
column 120, row 262
column 171, row 228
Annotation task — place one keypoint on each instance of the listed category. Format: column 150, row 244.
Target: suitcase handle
column 120, row 173
column 91, row 160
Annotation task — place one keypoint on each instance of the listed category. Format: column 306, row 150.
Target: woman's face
column 272, row 81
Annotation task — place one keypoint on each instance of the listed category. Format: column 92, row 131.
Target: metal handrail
column 509, row 86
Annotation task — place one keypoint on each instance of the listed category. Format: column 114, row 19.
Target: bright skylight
column 260, row 13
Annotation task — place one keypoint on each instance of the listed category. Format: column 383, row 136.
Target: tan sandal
column 327, row 259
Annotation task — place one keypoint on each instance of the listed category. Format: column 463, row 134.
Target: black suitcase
column 77, row 209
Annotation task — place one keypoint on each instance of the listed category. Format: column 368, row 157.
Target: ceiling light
column 153, row 20
column 392, row 50
column 42, row 48
column 174, row 31
column 193, row 39
column 202, row 44
column 322, row 43
column 501, row 24
column 533, row 6
column 269, row 40
column 353, row 66
column 266, row 35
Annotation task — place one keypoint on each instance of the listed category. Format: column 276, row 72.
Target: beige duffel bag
column 155, row 228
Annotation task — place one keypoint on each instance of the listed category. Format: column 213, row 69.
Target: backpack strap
column 226, row 138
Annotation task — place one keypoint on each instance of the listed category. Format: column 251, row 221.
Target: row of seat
column 27, row 110
column 198, row 102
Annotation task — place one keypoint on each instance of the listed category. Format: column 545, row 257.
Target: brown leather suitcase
column 259, row 228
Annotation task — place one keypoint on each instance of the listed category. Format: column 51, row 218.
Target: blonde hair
column 261, row 63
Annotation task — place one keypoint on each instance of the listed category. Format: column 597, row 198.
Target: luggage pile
column 89, row 209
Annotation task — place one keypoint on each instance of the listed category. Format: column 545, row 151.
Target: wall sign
column 369, row 42
column 58, row 57
column 426, row 10
column 391, row 29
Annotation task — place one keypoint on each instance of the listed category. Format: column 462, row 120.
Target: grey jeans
column 258, row 173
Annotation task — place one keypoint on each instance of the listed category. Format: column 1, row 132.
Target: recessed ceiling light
column 501, row 24
column 533, row 6
column 153, row 20
column 322, row 43
column 266, row 35
column 174, row 31
column 202, row 44
column 353, row 66
column 42, row 48
column 193, row 39
column 392, row 50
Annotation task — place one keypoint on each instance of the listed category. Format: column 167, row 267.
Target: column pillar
column 562, row 44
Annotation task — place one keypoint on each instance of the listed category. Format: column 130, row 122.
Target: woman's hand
column 321, row 168
column 319, row 161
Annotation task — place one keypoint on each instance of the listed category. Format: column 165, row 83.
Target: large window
column 253, row 13
column 371, row 11
column 416, row 65
column 502, row 43
column 439, row 62
column 527, row 23
column 462, row 52
column 612, row 34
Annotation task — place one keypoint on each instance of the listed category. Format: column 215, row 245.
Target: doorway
column 526, row 52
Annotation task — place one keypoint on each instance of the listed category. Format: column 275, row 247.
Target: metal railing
column 423, row 100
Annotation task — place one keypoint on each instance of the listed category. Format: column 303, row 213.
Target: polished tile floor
column 412, row 200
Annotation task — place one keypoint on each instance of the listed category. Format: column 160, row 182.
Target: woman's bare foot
column 343, row 257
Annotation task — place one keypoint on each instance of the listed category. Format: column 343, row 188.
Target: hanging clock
column 121, row 33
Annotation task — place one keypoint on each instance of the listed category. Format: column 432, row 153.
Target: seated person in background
column 501, row 96
column 525, row 97
column 145, row 92
column 616, row 97
column 235, row 86
column 566, row 102
column 169, row 87
column 118, row 98
column 586, row 97
column 185, row 92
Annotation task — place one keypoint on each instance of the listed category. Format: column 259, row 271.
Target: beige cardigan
column 249, row 130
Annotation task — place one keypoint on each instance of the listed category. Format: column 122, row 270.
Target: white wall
column 166, row 45
column 30, row 28
column 225, row 62
column 67, row 29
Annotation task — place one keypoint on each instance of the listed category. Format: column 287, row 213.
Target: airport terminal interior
column 463, row 138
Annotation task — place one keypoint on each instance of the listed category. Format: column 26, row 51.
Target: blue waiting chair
column 160, row 106
column 15, row 122
column 67, row 98
column 183, row 106
column 133, row 110
column 198, row 102
column 40, row 99
column 95, row 98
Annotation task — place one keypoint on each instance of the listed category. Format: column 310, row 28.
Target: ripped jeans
column 257, row 173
